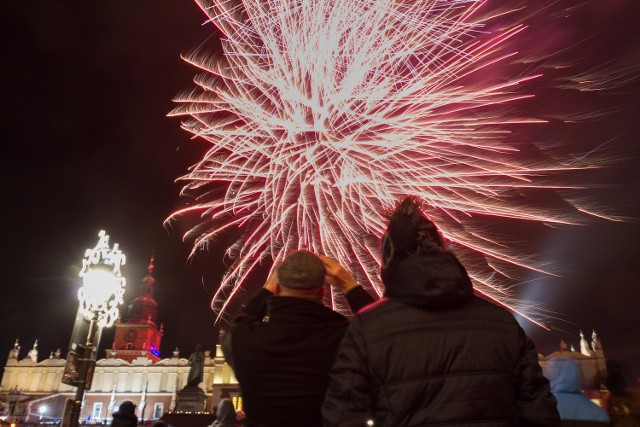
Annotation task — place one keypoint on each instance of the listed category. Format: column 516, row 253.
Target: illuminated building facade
column 132, row 370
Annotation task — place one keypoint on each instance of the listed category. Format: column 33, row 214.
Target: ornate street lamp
column 103, row 284
column 100, row 295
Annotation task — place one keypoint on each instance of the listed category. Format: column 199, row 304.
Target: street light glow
column 103, row 285
column 99, row 285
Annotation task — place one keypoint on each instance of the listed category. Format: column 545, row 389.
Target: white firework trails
column 321, row 114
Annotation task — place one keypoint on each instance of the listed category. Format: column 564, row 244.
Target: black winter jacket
column 281, row 350
column 430, row 353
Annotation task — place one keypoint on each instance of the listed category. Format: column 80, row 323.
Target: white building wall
column 136, row 381
column 49, row 382
column 98, row 380
column 154, row 381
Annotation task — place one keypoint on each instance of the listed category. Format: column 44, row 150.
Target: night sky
column 87, row 146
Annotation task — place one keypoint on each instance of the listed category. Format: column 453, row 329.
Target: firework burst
column 321, row 114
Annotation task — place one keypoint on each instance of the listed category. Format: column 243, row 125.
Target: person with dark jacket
column 125, row 416
column 622, row 404
column 566, row 385
column 283, row 342
column 430, row 352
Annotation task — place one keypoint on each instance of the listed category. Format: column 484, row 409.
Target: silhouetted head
column 301, row 270
column 616, row 383
column 301, row 275
column 409, row 233
column 126, row 408
column 416, row 269
column 225, row 412
column 563, row 375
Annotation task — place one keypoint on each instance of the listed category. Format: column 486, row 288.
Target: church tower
column 139, row 334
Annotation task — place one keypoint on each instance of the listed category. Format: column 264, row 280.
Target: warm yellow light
column 99, row 286
column 103, row 285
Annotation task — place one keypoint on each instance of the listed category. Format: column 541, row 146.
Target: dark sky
column 87, row 146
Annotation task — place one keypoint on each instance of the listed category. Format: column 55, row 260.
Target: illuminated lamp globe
column 103, row 286
column 100, row 286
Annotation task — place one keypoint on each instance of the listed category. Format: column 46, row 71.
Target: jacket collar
column 300, row 310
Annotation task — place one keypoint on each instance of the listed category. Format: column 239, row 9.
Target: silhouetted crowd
column 428, row 352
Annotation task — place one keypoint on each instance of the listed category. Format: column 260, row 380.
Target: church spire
column 584, row 346
column 595, row 342
column 150, row 268
column 138, row 333
column 15, row 351
column 144, row 308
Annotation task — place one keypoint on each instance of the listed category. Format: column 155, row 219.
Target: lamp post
column 100, row 295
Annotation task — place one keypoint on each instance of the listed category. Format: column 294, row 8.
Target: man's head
column 301, row 273
column 126, row 408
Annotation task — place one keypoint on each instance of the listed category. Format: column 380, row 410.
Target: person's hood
column 563, row 375
column 416, row 269
column 225, row 413
column 434, row 281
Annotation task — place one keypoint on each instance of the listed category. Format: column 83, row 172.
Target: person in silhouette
column 622, row 404
column 566, row 385
column 430, row 352
column 226, row 415
column 284, row 340
column 125, row 416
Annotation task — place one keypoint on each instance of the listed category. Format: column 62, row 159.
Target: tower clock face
column 130, row 335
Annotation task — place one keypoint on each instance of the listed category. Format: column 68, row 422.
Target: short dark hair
column 301, row 270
